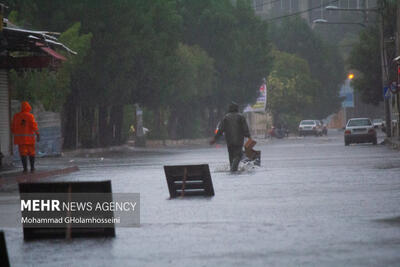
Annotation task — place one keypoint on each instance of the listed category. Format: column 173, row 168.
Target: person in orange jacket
column 24, row 127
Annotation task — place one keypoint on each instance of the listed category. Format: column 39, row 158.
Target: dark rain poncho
column 235, row 127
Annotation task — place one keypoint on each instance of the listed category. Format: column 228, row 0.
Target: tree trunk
column 86, row 124
column 116, row 120
column 173, row 125
column 69, row 126
column 103, row 126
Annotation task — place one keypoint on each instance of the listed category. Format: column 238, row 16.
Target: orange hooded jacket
column 24, row 126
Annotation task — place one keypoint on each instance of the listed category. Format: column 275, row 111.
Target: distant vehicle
column 278, row 132
column 310, row 127
column 378, row 123
column 359, row 130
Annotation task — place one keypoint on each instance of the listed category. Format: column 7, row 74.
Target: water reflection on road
column 313, row 201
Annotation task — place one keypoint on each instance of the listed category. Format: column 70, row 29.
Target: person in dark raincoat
column 235, row 128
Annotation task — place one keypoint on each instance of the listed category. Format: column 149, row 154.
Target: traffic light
column 350, row 76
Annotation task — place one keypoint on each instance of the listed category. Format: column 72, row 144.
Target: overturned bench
column 189, row 180
column 67, row 191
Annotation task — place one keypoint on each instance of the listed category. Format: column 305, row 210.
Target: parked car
column 359, row 130
column 307, row 127
column 378, row 123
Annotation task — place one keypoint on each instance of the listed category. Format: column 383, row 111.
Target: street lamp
column 331, row 7
column 320, row 21
column 324, row 21
column 382, row 51
column 335, row 8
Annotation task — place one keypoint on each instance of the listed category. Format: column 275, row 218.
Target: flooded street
column 312, row 202
column 112, row 115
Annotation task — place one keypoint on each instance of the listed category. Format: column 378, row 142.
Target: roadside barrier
column 68, row 230
column 189, row 180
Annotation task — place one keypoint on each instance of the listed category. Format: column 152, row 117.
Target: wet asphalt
column 313, row 202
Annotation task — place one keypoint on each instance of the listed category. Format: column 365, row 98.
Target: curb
column 395, row 144
column 16, row 178
column 151, row 145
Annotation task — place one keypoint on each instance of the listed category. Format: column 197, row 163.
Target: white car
column 359, row 130
column 310, row 127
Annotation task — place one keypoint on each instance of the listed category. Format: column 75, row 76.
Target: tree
column 293, row 35
column 193, row 84
column 291, row 89
column 47, row 86
column 365, row 58
column 236, row 39
column 181, row 60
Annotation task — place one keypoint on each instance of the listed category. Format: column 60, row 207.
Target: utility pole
column 398, row 67
column 384, row 73
column 384, row 70
column 384, row 65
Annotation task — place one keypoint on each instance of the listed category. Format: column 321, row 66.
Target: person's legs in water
column 23, row 152
column 32, row 162
column 230, row 153
column 31, row 153
column 236, row 157
column 24, row 163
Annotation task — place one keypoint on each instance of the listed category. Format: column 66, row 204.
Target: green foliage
column 35, row 87
column 293, row 35
column 46, row 87
column 50, row 87
column 193, row 80
column 365, row 58
column 237, row 41
column 291, row 89
column 180, row 59
column 77, row 42
column 194, row 74
column 129, row 119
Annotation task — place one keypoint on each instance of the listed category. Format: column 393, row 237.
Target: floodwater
column 312, row 202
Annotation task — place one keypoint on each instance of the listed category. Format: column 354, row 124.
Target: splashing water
column 244, row 166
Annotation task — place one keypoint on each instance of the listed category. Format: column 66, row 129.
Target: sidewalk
column 394, row 142
column 16, row 176
column 54, row 166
